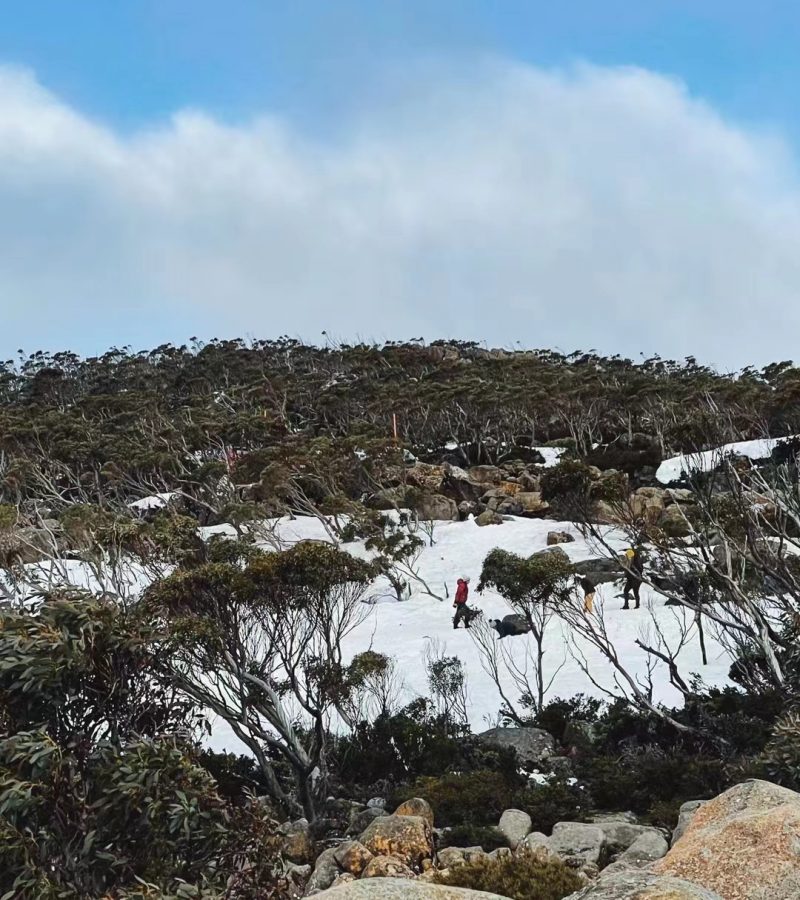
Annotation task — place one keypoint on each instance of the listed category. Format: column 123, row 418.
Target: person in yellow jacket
column 634, row 561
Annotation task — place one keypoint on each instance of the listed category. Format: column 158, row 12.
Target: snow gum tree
column 260, row 645
column 534, row 588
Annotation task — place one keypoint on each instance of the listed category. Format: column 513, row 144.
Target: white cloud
column 589, row 208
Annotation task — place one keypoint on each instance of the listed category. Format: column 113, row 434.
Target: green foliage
column 780, row 759
column 526, row 876
column 541, row 578
column 473, row 798
column 568, row 482
column 557, row 713
column 558, row 800
column 487, row 837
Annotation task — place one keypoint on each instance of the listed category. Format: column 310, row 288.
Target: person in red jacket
column 460, row 603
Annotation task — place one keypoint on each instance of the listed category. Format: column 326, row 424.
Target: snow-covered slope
column 707, row 460
column 404, row 629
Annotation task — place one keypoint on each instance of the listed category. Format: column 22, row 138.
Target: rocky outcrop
column 685, row 816
column 532, row 744
column 396, row 889
column 409, row 838
column 416, row 806
column 744, row 844
column 296, row 842
column 437, row 508
column 559, row 537
column 325, row 873
column 515, row 825
column 353, row 857
column 488, row 517
column 633, row 884
column 578, row 843
column 387, row 867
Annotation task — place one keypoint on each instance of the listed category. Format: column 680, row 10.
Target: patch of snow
column 552, row 455
column 154, row 501
column 707, row 460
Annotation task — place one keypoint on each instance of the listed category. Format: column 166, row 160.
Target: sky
column 614, row 176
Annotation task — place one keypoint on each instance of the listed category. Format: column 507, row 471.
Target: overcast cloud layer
column 595, row 208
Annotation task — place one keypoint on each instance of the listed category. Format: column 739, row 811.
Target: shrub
column 523, row 877
column 781, row 757
column 484, row 836
column 557, row 801
column 474, row 798
column 554, row 716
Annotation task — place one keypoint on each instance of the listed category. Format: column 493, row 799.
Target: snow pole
column 394, row 426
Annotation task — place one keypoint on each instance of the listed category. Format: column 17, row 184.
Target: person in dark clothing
column 460, row 603
column 633, row 577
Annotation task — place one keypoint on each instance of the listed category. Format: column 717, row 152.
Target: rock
column 437, row 508
column 416, row 806
column 531, row 503
column 387, row 867
column 685, row 816
column 325, row 872
column 296, row 843
column 673, row 520
column 648, row 503
column 489, row 517
column 500, row 853
column 515, row 826
column 532, row 744
column 575, row 841
column 376, row 803
column 353, row 857
column 410, row 838
column 485, row 475
column 552, row 551
column 512, row 625
column 533, row 841
column 344, row 878
column 429, row 478
column 451, row 857
column 559, row 537
column 744, row 844
column 633, row 884
column 360, row 821
column 469, row 508
column 600, row 570
column 679, row 495
column 620, row 835
column 395, row 889
column 647, row 848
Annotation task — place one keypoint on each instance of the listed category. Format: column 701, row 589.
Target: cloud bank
column 589, row 208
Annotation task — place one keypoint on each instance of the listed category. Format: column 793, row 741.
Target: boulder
column 744, row 844
column 416, row 806
column 577, row 842
column 376, row 803
column 685, row 816
column 552, row 551
column 353, row 857
column 515, row 826
column 429, row 478
column 533, row 841
column 485, row 475
column 360, row 821
column 387, row 867
column 396, row 889
column 634, row 884
column 437, row 508
column 296, row 842
column 531, row 503
column 559, row 537
column 673, row 521
column 621, row 835
column 678, row 495
column 647, row 848
column 344, row 878
column 488, row 517
column 451, row 857
column 325, row 872
column 648, row 503
column 409, row 838
column 532, row 744
column 600, row 570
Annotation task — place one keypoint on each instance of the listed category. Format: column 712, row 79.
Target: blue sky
column 397, row 167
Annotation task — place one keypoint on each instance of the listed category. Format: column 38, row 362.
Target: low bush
column 523, row 877
column 472, row 798
column 473, row 836
column 557, row 801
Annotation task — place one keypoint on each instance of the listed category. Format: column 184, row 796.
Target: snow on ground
column 551, row 455
column 154, row 501
column 707, row 460
column 403, row 630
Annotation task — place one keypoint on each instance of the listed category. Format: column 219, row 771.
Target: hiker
column 460, row 603
column 588, row 587
column 633, row 576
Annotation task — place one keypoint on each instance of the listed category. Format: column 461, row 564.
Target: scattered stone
column 416, row 806
column 515, row 826
column 410, row 838
column 559, row 537
column 489, row 517
column 325, row 873
column 685, row 816
column 296, row 843
column 397, row 889
column 634, row 884
column 353, row 857
column 387, row 867
column 744, row 844
column 532, row 744
column 577, row 842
